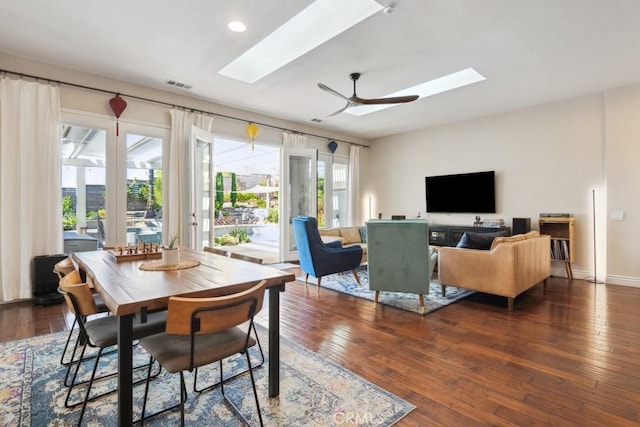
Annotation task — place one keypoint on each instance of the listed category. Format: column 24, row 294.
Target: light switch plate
column 617, row 215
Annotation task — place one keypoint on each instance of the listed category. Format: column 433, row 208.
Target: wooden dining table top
column 126, row 289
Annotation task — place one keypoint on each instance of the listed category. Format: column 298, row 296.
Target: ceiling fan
column 355, row 100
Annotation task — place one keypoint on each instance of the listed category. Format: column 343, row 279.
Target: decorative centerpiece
column 171, row 253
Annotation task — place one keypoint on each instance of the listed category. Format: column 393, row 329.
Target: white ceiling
column 531, row 52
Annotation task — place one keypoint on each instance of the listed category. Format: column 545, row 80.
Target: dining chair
column 63, row 267
column 213, row 250
column 201, row 331
column 73, row 278
column 100, row 333
column 243, row 257
column 254, row 260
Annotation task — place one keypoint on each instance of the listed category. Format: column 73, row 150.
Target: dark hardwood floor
column 567, row 357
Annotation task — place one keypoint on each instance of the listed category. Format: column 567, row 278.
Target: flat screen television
column 461, row 193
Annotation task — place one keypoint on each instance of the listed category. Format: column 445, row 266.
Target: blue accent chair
column 320, row 259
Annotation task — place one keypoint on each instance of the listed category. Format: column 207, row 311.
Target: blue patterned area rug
column 346, row 283
column 313, row 391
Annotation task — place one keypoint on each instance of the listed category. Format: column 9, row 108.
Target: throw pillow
column 473, row 240
column 363, row 234
column 350, row 234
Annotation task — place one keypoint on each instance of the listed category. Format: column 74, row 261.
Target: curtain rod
column 154, row 101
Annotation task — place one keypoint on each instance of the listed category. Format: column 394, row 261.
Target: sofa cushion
column 350, row 234
column 473, row 240
column 531, row 234
column 334, row 232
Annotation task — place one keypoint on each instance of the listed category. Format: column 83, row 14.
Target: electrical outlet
column 617, row 215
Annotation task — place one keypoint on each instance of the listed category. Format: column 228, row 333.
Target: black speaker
column 44, row 280
column 521, row 225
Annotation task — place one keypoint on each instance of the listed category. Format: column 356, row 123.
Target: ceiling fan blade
column 339, row 111
column 328, row 89
column 390, row 100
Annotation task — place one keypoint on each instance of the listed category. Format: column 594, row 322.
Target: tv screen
column 461, row 193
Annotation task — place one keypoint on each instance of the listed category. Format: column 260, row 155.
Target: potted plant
column 171, row 253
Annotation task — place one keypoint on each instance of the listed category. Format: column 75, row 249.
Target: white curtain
column 175, row 213
column 294, row 140
column 30, row 183
column 354, row 185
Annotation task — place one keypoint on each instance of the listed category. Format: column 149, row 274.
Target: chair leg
column 183, row 397
column 510, row 304
column 375, row 298
column 86, row 397
column 255, row 394
column 318, row 288
column 355, row 274
column 421, row 298
column 146, row 391
column 66, row 345
column 306, row 279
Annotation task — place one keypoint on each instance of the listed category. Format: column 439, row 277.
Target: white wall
column 546, row 158
column 623, row 177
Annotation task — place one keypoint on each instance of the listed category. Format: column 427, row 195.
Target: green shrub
column 273, row 215
column 241, row 235
column 234, row 237
column 69, row 222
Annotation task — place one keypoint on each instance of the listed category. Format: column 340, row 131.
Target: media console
column 449, row 235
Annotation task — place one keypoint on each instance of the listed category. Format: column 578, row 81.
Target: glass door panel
column 332, row 191
column 203, row 212
column 84, row 181
column 339, row 194
column 300, row 193
column 144, row 189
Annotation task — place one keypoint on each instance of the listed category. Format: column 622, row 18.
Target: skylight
column 319, row 22
column 429, row 88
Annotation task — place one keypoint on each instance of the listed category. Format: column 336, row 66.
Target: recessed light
column 319, row 22
column 237, row 27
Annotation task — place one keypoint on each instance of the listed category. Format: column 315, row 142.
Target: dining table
column 137, row 285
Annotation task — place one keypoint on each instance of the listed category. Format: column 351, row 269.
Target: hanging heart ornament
column 118, row 105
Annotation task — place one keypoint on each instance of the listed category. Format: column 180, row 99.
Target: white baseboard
column 611, row 279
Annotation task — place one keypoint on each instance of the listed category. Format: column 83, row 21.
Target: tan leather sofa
column 349, row 236
column 512, row 265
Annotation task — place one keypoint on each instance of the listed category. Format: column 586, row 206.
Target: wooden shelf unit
column 561, row 230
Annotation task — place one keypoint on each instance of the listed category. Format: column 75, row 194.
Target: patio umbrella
column 261, row 189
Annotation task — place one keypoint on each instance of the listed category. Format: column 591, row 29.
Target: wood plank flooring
column 567, row 357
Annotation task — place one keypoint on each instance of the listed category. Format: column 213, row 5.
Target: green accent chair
column 400, row 259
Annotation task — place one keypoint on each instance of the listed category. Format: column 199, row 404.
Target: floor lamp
column 595, row 265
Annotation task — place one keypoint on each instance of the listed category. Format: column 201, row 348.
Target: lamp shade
column 252, row 131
